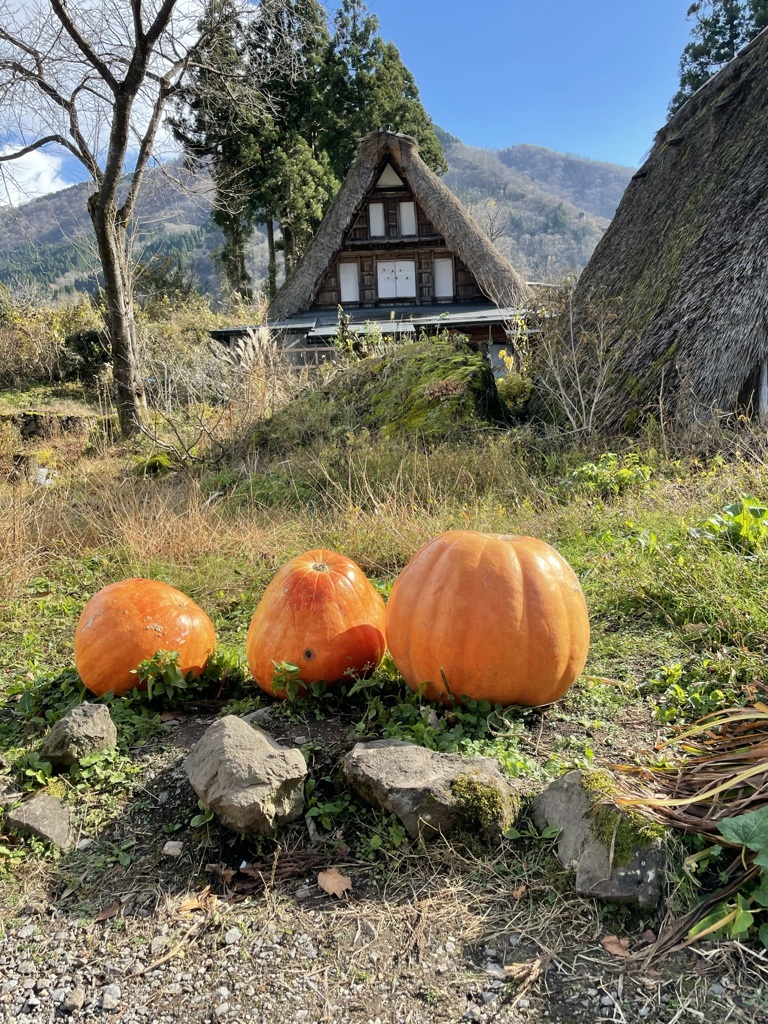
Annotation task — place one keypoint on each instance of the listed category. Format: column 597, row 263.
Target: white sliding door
column 349, row 282
column 444, row 278
column 396, row 279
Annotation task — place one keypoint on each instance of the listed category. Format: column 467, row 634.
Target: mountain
column 546, row 211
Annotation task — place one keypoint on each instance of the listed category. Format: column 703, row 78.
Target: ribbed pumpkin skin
column 503, row 617
column 129, row 621
column 320, row 613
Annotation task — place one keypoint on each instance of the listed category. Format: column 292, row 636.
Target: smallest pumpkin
column 321, row 614
column 131, row 620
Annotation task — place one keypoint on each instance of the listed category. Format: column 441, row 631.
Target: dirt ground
column 237, row 929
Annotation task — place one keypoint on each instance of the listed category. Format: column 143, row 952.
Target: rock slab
column 45, row 817
column 84, row 730
column 567, row 805
column 432, row 793
column 250, row 782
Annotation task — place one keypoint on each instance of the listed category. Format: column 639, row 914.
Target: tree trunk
column 287, row 234
column 121, row 322
column 272, row 270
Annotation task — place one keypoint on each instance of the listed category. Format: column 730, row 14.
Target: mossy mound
column 432, row 389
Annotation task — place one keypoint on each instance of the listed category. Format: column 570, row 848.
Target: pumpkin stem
column 320, row 567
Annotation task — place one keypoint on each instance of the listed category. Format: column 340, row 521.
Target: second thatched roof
column 494, row 274
column 685, row 260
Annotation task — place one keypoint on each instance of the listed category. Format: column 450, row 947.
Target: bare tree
column 573, row 361
column 93, row 78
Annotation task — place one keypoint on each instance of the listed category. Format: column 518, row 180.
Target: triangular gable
column 389, row 178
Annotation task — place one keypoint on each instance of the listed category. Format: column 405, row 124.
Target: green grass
column 679, row 621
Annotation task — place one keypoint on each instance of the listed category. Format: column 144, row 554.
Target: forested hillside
column 545, row 210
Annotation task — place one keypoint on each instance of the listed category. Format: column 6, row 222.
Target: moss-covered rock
column 483, row 807
column 616, row 855
column 433, row 389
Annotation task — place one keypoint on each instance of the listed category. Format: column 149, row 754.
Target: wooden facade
column 393, row 256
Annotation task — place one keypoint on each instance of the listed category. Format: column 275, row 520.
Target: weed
column 703, row 684
column 743, row 525
column 608, row 476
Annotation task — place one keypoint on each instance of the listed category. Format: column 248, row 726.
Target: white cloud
column 36, row 174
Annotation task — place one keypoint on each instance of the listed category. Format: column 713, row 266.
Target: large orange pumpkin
column 488, row 616
column 321, row 614
column 127, row 622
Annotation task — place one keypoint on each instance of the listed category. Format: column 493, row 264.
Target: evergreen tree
column 720, row 29
column 284, row 164
column 215, row 118
column 373, row 89
column 758, row 12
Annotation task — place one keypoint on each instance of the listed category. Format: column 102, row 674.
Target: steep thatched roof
column 493, row 272
column 686, row 255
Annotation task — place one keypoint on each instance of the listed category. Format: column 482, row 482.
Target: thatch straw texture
column 686, row 256
column 494, row 274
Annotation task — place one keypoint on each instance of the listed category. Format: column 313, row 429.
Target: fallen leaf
column 111, row 910
column 648, row 935
column 172, row 716
column 519, row 892
column 615, row 946
column 205, row 900
column 333, row 882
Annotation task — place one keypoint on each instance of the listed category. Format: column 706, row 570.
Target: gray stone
column 567, row 806
column 233, row 936
column 245, row 778
column 110, row 997
column 73, row 1000
column 46, row 817
column 432, row 793
column 86, row 729
column 173, row 848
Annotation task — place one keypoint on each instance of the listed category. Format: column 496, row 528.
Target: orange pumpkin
column 493, row 617
column 321, row 614
column 127, row 622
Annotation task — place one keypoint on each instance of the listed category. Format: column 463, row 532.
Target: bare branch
column 60, row 140
column 61, row 12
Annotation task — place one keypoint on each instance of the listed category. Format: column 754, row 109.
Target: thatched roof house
column 686, row 256
column 397, row 248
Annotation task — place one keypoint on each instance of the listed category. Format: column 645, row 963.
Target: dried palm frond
column 722, row 771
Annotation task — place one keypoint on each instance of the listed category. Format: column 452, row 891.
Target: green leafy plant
column 610, row 475
column 742, row 524
column 104, row 768
column 747, row 911
column 36, row 771
column 203, row 817
column 550, row 832
column 331, row 810
column 164, row 678
column 704, row 684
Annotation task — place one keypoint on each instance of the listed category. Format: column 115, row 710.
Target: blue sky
column 592, row 78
